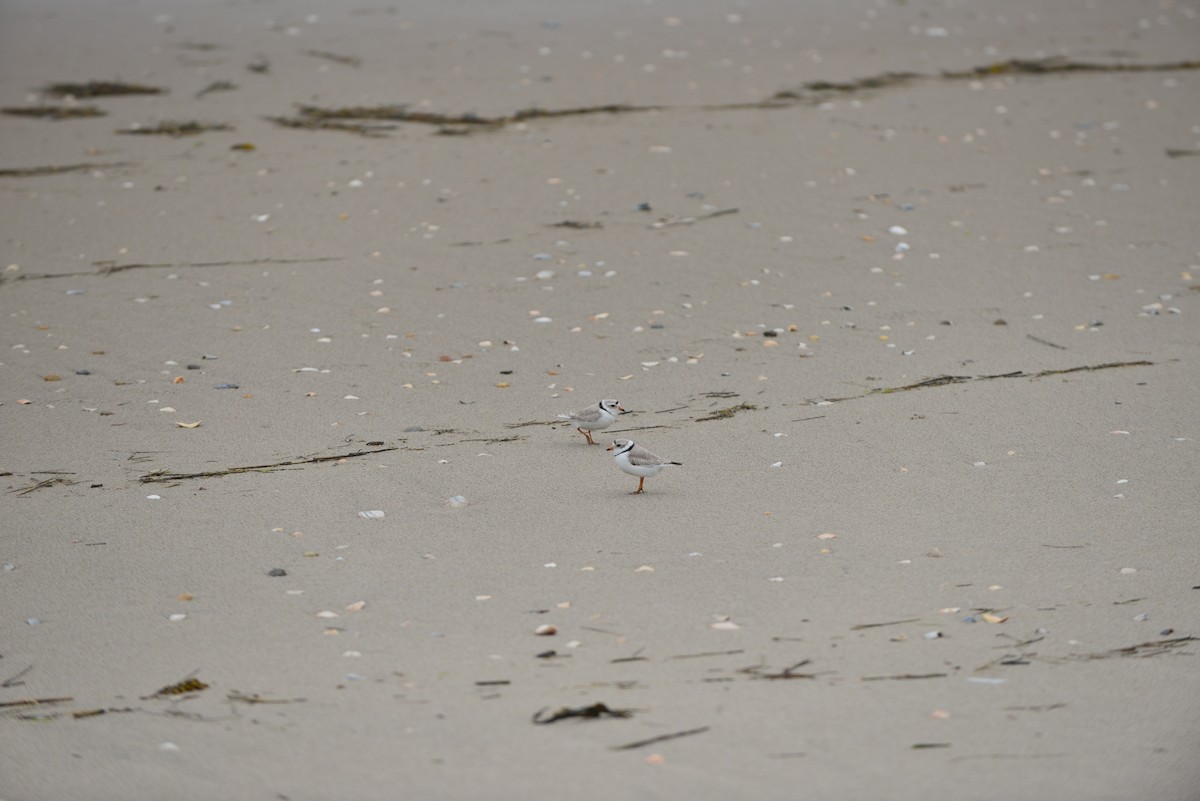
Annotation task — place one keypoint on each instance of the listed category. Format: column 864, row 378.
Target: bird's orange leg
column 587, row 434
column 641, row 481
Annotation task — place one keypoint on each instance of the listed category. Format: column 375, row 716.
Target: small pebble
column 33, row 621
column 546, row 630
column 227, row 386
column 456, row 502
column 276, row 572
column 178, row 616
column 83, row 372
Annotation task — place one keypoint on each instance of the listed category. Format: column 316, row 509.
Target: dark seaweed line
column 813, row 92
column 945, row 380
column 162, row 476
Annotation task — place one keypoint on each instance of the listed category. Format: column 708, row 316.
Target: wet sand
column 946, row 548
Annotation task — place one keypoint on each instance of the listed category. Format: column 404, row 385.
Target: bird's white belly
column 644, row 471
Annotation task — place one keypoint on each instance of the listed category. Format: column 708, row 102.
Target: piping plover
column 594, row 418
column 637, row 461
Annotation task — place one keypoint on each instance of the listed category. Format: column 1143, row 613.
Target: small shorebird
column 637, row 461
column 594, row 418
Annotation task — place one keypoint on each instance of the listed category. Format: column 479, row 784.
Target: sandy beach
column 912, row 290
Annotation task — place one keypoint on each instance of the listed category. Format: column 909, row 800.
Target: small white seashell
column 168, row 746
column 932, row 635
column 154, row 497
column 327, row 614
column 546, row 630
column 372, row 514
column 724, row 625
column 457, row 502
column 178, row 616
column 898, row 230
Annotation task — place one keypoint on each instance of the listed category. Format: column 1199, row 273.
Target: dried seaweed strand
column 318, row 124
column 861, row 626
column 35, row 702
column 944, row 380
column 161, row 476
column 101, row 89
column 349, row 61
column 811, row 93
column 905, row 676
column 727, row 412
column 29, row 172
column 1152, row 648
column 661, row 738
column 176, row 129
column 54, row 112
column 591, row 711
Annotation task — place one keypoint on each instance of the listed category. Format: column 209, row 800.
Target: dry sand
column 1047, row 228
